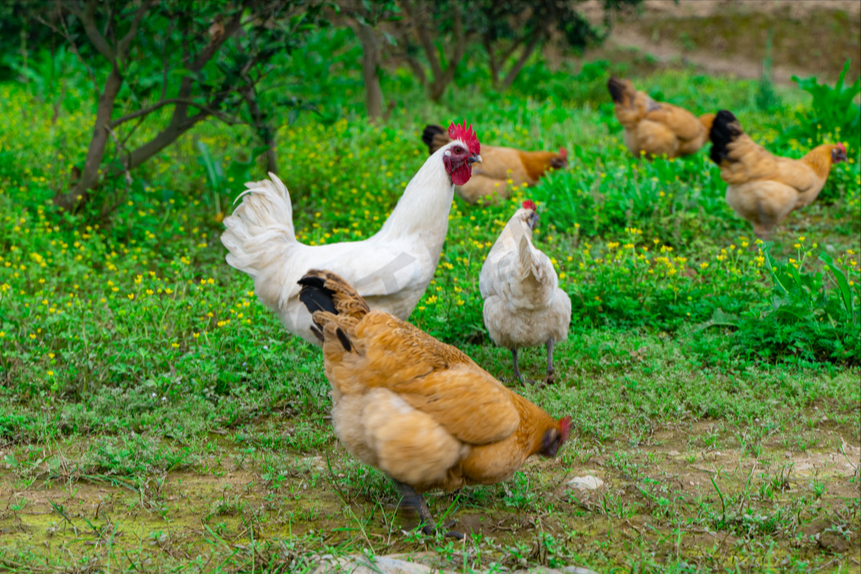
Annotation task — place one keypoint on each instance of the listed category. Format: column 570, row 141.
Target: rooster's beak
column 474, row 158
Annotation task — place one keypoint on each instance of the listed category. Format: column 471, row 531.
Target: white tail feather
column 258, row 234
column 525, row 259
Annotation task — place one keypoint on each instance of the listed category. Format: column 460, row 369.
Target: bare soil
column 729, row 37
column 676, row 494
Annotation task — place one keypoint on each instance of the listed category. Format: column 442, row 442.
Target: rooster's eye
column 458, row 149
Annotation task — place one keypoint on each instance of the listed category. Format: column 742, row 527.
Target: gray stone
column 394, row 565
column 566, row 570
column 586, row 483
column 377, row 565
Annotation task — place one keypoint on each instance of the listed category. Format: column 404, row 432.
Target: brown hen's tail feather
column 434, row 137
column 725, row 129
column 328, row 296
column 707, row 120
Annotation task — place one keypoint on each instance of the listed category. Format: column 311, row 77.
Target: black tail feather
column 617, row 89
column 344, row 339
column 316, row 296
column 325, row 291
column 428, row 136
column 725, row 129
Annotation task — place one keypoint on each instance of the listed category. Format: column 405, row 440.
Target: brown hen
column 764, row 188
column 498, row 166
column 419, row 410
column 657, row 128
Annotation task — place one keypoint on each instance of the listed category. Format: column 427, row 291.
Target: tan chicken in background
column 419, row 410
column 657, row 128
column 498, row 165
column 764, row 188
column 523, row 304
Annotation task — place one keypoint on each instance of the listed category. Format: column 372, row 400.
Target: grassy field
column 155, row 417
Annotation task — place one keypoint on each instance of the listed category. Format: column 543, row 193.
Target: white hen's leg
column 516, row 367
column 551, row 373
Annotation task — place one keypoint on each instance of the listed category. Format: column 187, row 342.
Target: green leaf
column 842, row 282
column 214, row 172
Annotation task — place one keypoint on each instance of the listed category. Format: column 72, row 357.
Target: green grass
column 153, row 415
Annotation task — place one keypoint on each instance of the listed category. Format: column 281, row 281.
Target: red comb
column 563, row 153
column 841, row 147
column 466, row 135
column 565, row 428
column 529, row 204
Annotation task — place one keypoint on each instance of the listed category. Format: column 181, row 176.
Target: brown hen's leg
column 516, row 368
column 414, row 501
column 551, row 373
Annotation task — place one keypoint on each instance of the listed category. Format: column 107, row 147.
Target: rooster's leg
column 416, row 502
column 516, row 368
column 551, row 373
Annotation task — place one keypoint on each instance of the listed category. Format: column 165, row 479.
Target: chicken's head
column 529, row 214
column 560, row 160
column 461, row 153
column 838, row 153
column 555, row 437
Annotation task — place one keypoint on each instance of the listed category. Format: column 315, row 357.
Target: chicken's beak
column 533, row 221
column 474, row 158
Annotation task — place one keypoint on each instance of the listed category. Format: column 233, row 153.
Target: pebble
column 364, row 565
column 391, row 565
column 586, row 483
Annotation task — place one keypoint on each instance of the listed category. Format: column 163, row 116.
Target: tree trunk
column 96, row 151
column 494, row 65
column 370, row 70
column 271, row 159
column 264, row 131
column 440, row 78
column 524, row 56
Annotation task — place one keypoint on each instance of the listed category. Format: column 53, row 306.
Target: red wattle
column 461, row 175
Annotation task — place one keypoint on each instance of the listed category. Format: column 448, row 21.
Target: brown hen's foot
column 432, row 531
column 414, row 501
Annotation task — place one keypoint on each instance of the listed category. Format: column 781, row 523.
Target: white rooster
column 390, row 269
column 523, row 304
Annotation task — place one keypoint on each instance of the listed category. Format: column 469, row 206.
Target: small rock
column 566, row 570
column 380, row 564
column 834, row 542
column 586, row 483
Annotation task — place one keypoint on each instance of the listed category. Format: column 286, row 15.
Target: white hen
column 523, row 304
column 390, row 270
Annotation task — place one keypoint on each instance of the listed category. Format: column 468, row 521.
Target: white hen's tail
column 259, row 233
column 535, row 276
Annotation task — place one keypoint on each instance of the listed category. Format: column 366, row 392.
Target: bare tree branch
column 164, row 61
column 524, row 56
column 88, row 19
column 170, row 101
column 123, row 46
column 424, row 37
column 459, row 47
column 74, row 47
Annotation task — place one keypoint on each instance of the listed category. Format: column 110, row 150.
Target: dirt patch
column 727, row 500
column 729, row 38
